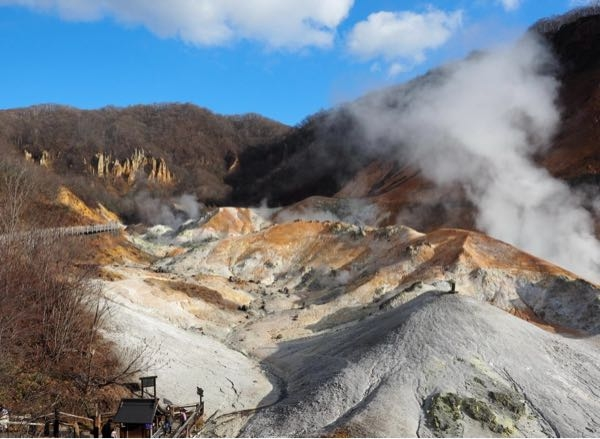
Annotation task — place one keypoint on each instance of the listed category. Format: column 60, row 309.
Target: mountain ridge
column 573, row 155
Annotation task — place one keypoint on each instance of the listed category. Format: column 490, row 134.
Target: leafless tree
column 51, row 311
column 14, row 194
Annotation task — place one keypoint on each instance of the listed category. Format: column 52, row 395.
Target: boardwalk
column 58, row 232
column 82, row 230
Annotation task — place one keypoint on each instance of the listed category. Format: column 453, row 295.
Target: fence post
column 97, row 423
column 56, row 429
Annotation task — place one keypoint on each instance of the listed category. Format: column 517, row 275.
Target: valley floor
column 309, row 328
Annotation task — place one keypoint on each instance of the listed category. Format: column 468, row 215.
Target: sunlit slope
column 443, row 365
column 326, row 266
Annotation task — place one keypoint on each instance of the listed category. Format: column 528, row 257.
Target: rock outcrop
column 139, row 163
column 43, row 159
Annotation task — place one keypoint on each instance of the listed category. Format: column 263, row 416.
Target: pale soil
column 352, row 325
column 173, row 329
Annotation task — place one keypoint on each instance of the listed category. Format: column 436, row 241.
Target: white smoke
column 188, row 205
column 172, row 212
column 479, row 122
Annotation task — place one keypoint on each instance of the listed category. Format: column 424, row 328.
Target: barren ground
column 318, row 327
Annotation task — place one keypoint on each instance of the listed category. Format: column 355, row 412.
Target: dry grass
column 52, row 352
column 109, row 275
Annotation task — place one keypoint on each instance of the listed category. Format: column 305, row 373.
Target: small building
column 136, row 417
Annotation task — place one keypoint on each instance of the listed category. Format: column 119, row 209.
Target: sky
column 284, row 59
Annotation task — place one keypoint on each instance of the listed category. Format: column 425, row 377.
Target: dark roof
column 136, row 411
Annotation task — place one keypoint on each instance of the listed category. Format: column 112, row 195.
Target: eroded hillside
column 336, row 323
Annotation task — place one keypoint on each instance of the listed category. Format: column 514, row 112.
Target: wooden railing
column 84, row 230
column 184, row 429
column 57, row 232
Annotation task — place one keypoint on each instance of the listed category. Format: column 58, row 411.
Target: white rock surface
column 359, row 338
column 377, row 376
column 178, row 352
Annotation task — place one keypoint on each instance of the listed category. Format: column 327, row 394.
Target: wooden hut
column 136, row 417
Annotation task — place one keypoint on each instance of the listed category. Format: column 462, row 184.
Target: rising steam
column 172, row 212
column 479, row 122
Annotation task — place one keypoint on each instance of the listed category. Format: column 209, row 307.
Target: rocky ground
column 299, row 325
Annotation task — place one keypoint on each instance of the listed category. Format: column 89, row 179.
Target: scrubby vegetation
column 198, row 147
column 554, row 24
column 52, row 353
column 316, row 158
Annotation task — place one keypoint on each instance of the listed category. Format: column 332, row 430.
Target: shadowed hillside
column 328, row 156
column 171, row 147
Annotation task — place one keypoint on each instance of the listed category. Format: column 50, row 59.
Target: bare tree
column 51, row 312
column 14, row 193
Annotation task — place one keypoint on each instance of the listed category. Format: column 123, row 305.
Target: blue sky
column 284, row 59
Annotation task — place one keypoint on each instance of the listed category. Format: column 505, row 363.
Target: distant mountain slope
column 314, row 159
column 325, row 157
column 575, row 153
column 179, row 146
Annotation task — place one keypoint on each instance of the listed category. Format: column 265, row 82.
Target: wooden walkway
column 82, row 230
column 58, row 232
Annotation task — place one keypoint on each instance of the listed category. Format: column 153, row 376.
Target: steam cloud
column 479, row 122
column 172, row 212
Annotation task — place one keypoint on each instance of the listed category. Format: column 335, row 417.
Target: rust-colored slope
column 229, row 220
column 336, row 266
column 404, row 196
column 101, row 249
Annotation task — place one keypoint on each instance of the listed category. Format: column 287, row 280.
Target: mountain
column 173, row 148
column 327, row 155
column 362, row 331
column 362, row 297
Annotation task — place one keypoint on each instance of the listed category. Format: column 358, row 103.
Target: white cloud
column 276, row 23
column 583, row 3
column 375, row 67
column 395, row 69
column 510, row 5
column 402, row 38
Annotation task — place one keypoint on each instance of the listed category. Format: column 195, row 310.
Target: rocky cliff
column 130, row 168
